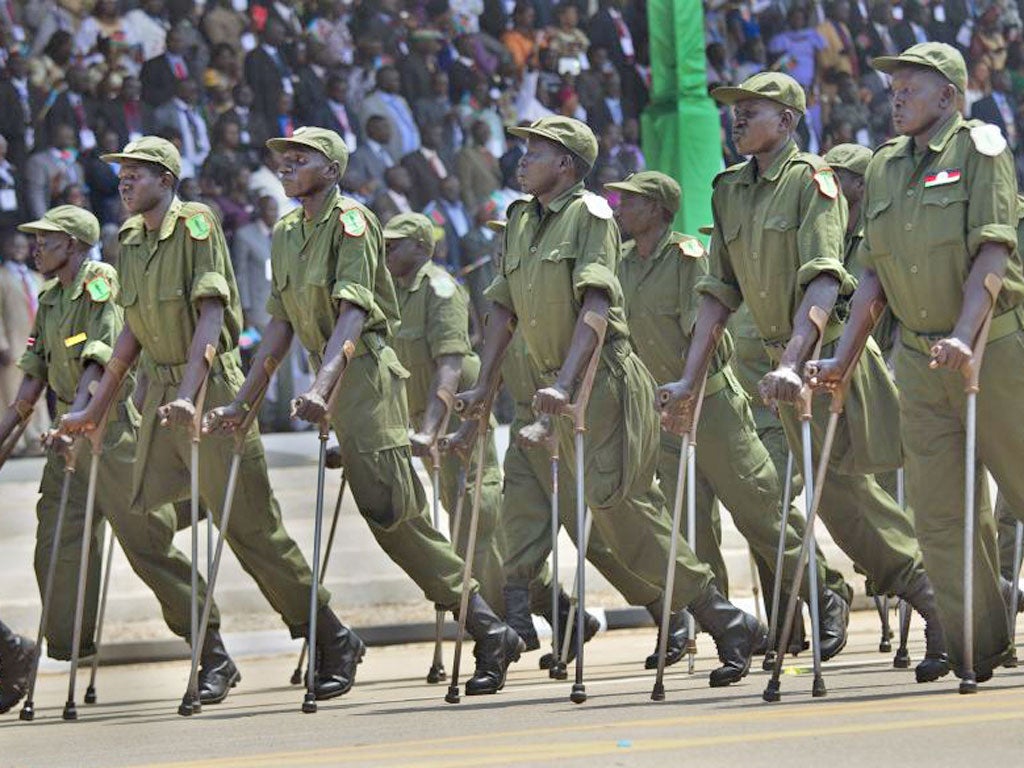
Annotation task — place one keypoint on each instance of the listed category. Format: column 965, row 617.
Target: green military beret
column 324, row 141
column 565, row 131
column 774, row 86
column 944, row 59
column 150, row 149
column 411, row 225
column 852, row 157
column 69, row 219
column 655, row 185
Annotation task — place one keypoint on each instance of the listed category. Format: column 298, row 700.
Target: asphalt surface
column 873, row 716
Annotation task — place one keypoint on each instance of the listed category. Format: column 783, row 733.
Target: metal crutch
column 436, row 673
column 1018, row 553
column 28, row 710
column 972, row 376
column 90, row 692
column 902, row 658
column 685, row 481
column 780, row 551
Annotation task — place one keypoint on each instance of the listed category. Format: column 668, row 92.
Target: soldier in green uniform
column 561, row 251
column 432, row 343
column 777, row 246
column 179, row 297
column 659, row 271
column 332, row 288
column 74, row 332
column 17, row 654
column 941, row 216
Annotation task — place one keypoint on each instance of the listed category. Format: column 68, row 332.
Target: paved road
column 873, row 716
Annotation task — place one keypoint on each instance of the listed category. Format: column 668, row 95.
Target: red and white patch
column 950, row 176
column 30, row 342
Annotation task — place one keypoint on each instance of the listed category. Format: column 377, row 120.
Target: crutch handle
column 577, row 410
column 819, row 317
column 448, row 399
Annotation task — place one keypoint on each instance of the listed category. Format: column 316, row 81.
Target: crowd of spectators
column 422, row 91
column 828, row 48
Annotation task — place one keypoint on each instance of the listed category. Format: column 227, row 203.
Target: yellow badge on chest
column 827, row 185
column 75, row 340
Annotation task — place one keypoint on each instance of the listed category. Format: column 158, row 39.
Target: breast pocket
column 879, row 225
column 944, row 213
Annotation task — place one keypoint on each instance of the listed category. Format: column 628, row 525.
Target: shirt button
column 533, row 249
column 913, row 268
column 764, row 294
column 529, row 286
column 533, row 323
column 754, row 255
column 908, row 226
column 924, row 313
column 910, row 193
column 774, row 328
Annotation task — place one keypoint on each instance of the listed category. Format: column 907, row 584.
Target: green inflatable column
column 681, row 130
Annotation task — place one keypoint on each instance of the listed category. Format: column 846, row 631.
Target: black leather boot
column 735, row 633
column 833, row 620
column 16, row 656
column 677, row 636
column 339, row 651
column 921, row 597
column 497, row 646
column 564, row 608
column 517, row 615
column 218, row 673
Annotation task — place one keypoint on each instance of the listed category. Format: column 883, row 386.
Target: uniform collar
column 630, row 253
column 332, row 202
column 939, row 140
column 749, row 173
column 563, row 199
column 80, row 279
column 419, row 277
column 170, row 218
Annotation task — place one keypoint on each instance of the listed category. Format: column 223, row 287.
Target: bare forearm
column 442, row 393
column 992, row 259
column 277, row 338
column 707, row 332
column 584, row 340
column 348, row 329
column 91, row 377
column 208, row 328
column 822, row 293
column 498, row 329
column 126, row 352
column 29, row 392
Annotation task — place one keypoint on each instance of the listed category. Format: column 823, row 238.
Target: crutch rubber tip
column 772, row 691
column 579, row 693
column 818, row 689
column 769, row 661
column 90, row 695
column 296, row 677
column 902, row 659
column 70, row 711
column 186, row 708
column 452, row 697
column 437, row 674
column 28, row 712
column 558, row 672
column 885, row 647
column 309, row 704
column 658, row 694
column 969, row 684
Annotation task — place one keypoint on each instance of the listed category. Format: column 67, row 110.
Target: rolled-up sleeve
column 599, row 244
column 33, row 359
column 820, row 239
column 992, row 206
column 210, row 265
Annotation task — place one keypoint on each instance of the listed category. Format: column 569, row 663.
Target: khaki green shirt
column 552, row 257
column 774, row 233
column 661, row 303
column 167, row 272
column 928, row 213
column 435, row 322
column 74, row 326
column 321, row 263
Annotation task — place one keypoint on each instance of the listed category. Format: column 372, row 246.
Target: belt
column 368, row 342
column 774, row 349
column 171, row 374
column 1002, row 325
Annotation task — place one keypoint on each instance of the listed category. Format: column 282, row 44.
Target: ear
column 787, row 121
column 949, row 95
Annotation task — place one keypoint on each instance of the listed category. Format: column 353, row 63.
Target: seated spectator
column 419, row 66
column 222, row 75
column 477, row 168
column 222, row 25
column 149, row 27
column 46, row 71
column 521, row 39
column 988, row 44
column 426, row 168
column 797, row 48
column 18, row 106
column 839, row 54
column 448, row 212
column 310, row 88
column 253, row 129
column 337, row 112
column 387, row 101
column 608, row 109
column 12, row 208
column 720, row 69
column 999, row 108
column 329, row 27
column 50, row 170
column 372, row 158
column 567, row 41
column 393, row 198
column 910, row 30
column 227, row 153
column 267, row 72
column 73, row 106
column 480, row 105
column 250, row 255
column 107, row 28
column 285, row 123
column 161, row 75
column 101, row 178
column 126, row 113
column 630, row 157
column 979, row 83
column 183, row 114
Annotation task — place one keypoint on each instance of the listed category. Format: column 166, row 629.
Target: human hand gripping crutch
column 685, row 479
column 309, row 705
column 972, row 376
column 28, row 710
column 296, row 677
column 812, row 498
column 482, row 423
column 780, row 552
column 436, row 673
column 190, row 703
column 95, row 439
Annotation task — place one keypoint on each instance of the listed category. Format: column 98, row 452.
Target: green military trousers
column 734, row 466
column 526, row 525
column 146, row 539
column 933, row 414
column 1006, row 524
column 750, row 364
column 371, row 420
column 256, row 533
column 488, row 568
column 620, row 459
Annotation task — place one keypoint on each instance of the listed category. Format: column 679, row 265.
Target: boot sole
column 722, row 682
column 510, row 660
column 234, row 680
column 351, row 682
